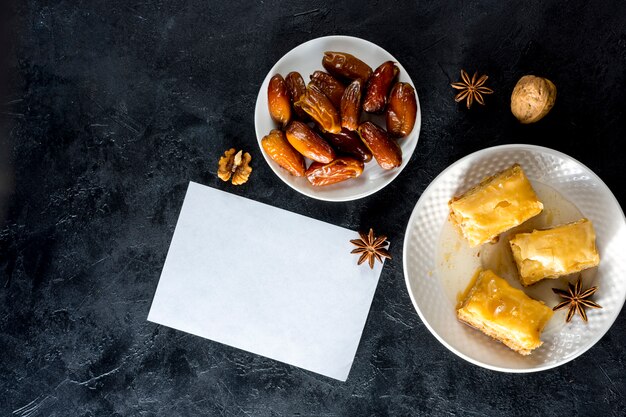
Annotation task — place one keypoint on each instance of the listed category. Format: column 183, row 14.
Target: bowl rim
column 610, row 321
column 416, row 129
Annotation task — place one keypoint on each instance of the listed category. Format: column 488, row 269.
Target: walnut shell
column 532, row 98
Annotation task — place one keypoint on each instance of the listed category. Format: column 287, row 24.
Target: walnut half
column 234, row 166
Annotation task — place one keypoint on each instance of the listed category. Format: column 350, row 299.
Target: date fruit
column 402, row 110
column 346, row 66
column 378, row 87
column 340, row 169
column 329, row 85
column 278, row 100
column 278, row 148
column 349, row 142
column 309, row 143
column 296, row 87
column 320, row 108
column 350, row 107
column 386, row 151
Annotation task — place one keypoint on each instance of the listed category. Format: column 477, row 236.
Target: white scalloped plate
column 438, row 264
column 307, row 58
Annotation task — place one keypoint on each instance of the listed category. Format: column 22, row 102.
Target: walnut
column 234, row 166
column 532, row 98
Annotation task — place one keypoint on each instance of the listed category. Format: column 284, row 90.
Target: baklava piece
column 504, row 313
column 497, row 204
column 555, row 252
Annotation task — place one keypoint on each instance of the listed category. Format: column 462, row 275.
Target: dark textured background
column 109, row 108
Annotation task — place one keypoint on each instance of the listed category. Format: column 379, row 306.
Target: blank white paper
column 265, row 280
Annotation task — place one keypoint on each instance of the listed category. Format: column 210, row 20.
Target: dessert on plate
column 554, row 252
column 497, row 204
column 505, row 313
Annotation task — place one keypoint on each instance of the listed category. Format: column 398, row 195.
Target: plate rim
column 520, row 146
column 417, row 128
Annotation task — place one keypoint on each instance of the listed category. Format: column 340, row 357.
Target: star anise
column 471, row 90
column 576, row 299
column 371, row 248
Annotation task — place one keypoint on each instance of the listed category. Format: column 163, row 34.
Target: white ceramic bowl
column 307, row 58
column 437, row 267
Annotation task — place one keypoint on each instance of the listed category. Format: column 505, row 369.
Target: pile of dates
column 322, row 120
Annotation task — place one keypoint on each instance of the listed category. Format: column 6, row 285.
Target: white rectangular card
column 265, row 280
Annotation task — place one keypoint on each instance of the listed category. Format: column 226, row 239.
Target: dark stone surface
column 109, row 108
